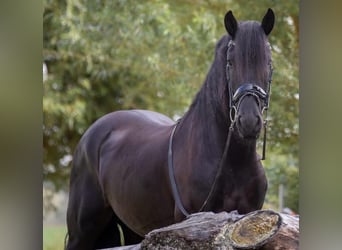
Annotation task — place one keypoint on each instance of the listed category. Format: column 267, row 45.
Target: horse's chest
column 244, row 193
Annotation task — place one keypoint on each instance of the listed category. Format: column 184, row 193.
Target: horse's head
column 249, row 72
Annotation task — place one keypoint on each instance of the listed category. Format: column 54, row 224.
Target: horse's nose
column 249, row 125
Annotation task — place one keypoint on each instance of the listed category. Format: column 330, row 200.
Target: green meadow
column 53, row 237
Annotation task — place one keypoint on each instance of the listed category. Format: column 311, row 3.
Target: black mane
column 213, row 95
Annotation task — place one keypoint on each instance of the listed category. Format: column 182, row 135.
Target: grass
column 53, row 237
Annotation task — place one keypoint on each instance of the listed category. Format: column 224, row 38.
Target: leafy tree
column 104, row 56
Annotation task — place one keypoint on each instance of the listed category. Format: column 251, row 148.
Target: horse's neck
column 204, row 129
column 208, row 112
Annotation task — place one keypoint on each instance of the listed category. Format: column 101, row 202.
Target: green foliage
column 104, row 56
column 282, row 169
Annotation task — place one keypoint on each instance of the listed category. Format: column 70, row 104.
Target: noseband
column 245, row 90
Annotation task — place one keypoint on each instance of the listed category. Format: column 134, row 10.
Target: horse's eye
column 230, row 63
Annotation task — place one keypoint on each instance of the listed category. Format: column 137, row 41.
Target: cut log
column 254, row 229
column 287, row 238
column 262, row 229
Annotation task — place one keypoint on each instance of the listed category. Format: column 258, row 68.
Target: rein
column 172, row 174
column 172, row 178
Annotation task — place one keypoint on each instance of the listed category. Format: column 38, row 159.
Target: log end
column 255, row 229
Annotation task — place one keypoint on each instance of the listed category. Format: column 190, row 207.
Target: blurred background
column 101, row 56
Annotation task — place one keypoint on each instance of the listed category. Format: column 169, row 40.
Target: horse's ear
column 230, row 23
column 268, row 21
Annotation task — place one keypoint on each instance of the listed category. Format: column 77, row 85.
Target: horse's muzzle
column 249, row 126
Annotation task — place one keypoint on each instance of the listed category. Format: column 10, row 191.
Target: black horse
column 128, row 172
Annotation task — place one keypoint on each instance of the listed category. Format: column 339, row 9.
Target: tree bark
column 262, row 229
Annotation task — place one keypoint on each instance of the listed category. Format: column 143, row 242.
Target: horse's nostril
column 258, row 122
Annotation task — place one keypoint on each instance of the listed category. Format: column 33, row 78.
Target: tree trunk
column 262, row 229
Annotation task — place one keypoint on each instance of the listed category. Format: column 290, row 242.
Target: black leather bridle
column 261, row 96
column 235, row 99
